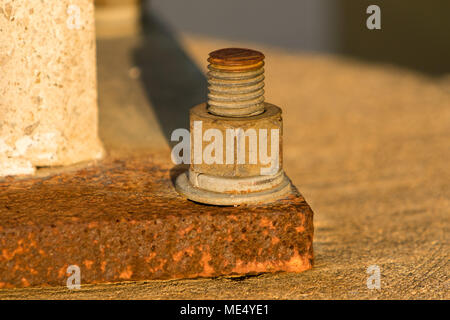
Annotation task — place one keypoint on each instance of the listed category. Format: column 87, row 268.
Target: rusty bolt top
column 235, row 57
column 236, row 82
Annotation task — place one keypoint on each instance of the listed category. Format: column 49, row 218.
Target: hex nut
column 269, row 120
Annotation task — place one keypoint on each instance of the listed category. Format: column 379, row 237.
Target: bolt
column 236, row 82
column 236, row 172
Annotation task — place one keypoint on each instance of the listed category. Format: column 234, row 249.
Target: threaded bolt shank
column 236, row 82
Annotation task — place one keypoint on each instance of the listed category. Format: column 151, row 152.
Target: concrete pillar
column 48, row 86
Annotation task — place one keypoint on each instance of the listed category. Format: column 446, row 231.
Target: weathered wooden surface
column 367, row 145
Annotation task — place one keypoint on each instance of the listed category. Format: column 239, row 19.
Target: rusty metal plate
column 122, row 220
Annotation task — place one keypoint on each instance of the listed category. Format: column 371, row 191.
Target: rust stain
column 92, row 225
column 185, row 252
column 264, row 222
column 150, row 257
column 159, row 267
column 62, row 272
column 25, row 282
column 184, row 231
column 103, row 266
column 207, row 269
column 126, row 274
column 88, row 264
column 9, row 256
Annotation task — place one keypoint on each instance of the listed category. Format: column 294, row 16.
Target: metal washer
column 186, row 189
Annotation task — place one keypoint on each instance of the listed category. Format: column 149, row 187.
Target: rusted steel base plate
column 122, row 220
